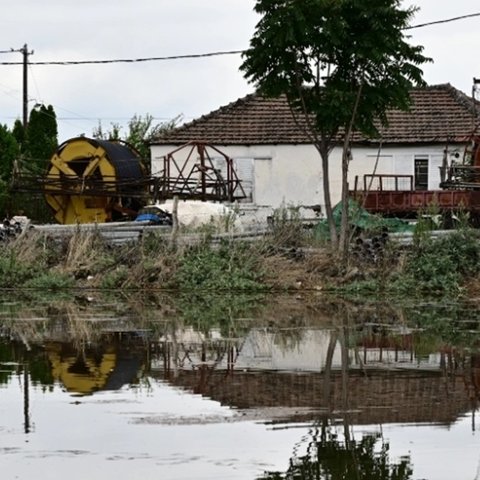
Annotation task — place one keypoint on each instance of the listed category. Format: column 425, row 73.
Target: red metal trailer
column 389, row 200
column 395, row 195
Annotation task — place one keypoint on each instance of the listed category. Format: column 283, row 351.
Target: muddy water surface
column 292, row 388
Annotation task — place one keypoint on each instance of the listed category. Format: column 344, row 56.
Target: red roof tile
column 438, row 114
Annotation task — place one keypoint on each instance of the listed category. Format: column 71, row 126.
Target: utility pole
column 24, row 51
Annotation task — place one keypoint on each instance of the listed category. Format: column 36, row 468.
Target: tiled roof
column 438, row 114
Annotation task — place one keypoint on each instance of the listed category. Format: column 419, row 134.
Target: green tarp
column 359, row 218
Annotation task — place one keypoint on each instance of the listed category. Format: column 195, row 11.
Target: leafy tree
column 112, row 134
column 9, row 151
column 19, row 134
column 41, row 137
column 37, row 143
column 141, row 131
column 341, row 65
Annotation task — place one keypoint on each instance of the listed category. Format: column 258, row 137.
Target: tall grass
column 285, row 259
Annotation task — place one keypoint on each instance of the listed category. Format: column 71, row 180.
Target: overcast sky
column 83, row 95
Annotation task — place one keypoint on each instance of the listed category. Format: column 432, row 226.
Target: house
column 278, row 164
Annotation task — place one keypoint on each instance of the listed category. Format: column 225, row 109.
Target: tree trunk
column 343, row 339
column 344, row 228
column 344, row 225
column 324, row 154
column 327, row 381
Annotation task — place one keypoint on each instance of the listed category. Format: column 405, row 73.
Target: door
column 421, row 172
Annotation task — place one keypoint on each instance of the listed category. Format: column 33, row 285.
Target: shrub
column 14, row 273
column 439, row 266
column 115, row 278
column 230, row 266
column 50, row 281
column 286, row 227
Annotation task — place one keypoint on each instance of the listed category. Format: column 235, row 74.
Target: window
column 421, row 172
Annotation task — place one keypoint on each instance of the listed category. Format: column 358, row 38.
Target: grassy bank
column 288, row 258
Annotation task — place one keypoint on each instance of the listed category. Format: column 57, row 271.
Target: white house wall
column 291, row 174
column 395, row 160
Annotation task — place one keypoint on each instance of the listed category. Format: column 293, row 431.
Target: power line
column 448, row 20
column 199, row 55
column 12, row 50
column 130, row 60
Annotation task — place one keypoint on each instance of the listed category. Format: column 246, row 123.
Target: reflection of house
column 377, row 397
column 302, row 350
column 386, row 382
column 278, row 164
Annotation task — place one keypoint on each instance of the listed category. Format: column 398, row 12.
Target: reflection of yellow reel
column 81, row 374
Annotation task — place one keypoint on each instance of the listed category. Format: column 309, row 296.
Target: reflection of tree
column 330, row 458
column 14, row 358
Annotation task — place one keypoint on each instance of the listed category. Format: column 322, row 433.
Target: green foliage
column 112, row 134
column 286, row 227
column 23, row 262
column 9, row 151
column 445, row 322
column 207, row 311
column 41, row 137
column 4, row 199
column 431, row 267
column 440, row 265
column 341, row 65
column 369, row 286
column 15, row 357
column 19, row 134
column 333, row 459
column 39, row 367
column 230, row 266
column 428, row 220
column 320, row 52
column 14, row 273
column 115, row 279
column 49, row 281
column 141, row 131
column 38, row 144
column 6, row 361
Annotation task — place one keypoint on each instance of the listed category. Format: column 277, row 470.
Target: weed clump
column 430, row 267
column 228, row 266
column 442, row 265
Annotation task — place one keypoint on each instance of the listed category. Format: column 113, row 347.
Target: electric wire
column 203, row 55
column 447, row 20
column 187, row 56
column 131, row 60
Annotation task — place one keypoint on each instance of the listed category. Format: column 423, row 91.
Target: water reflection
column 332, row 458
column 83, row 371
column 333, row 371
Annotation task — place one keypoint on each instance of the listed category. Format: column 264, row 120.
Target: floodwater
column 238, row 388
